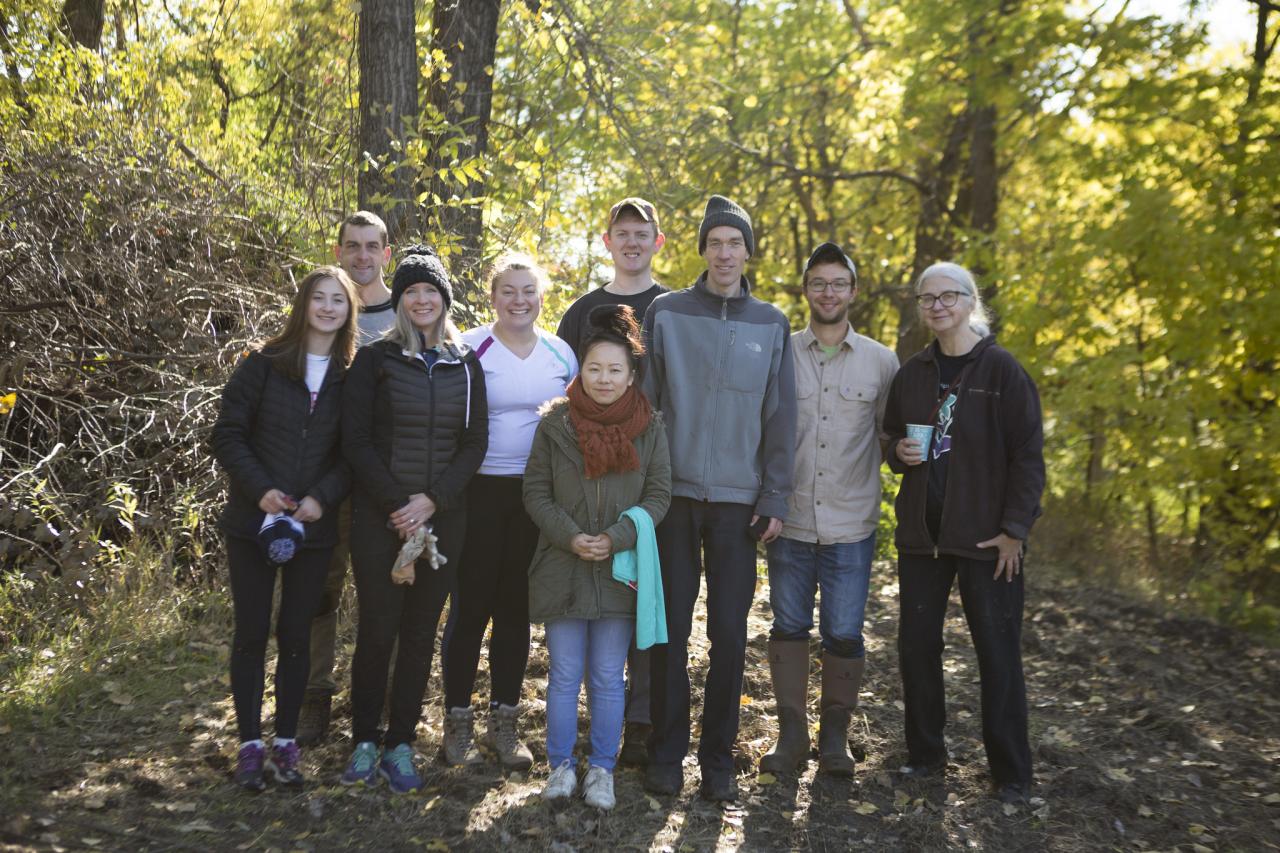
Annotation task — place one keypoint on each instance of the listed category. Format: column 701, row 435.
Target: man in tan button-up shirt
column 842, row 386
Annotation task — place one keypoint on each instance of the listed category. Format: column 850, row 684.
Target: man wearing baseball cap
column 632, row 237
column 718, row 366
column 842, row 383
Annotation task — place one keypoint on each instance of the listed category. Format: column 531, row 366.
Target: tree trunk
column 82, row 21
column 984, row 200
column 388, row 111
column 467, row 34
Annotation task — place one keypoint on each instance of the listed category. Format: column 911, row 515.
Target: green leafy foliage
column 1127, row 242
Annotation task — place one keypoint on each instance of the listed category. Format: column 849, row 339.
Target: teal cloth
column 640, row 568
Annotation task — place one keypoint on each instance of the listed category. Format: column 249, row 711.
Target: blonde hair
column 979, row 321
column 406, row 335
column 518, row 261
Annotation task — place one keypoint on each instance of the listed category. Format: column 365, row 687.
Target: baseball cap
column 642, row 208
column 831, row 253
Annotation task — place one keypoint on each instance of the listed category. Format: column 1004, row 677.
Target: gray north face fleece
column 720, row 372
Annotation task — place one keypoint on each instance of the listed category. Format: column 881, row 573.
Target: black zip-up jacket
column 995, row 474
column 267, row 436
column 407, row 428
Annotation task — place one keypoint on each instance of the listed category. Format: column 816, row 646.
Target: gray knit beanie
column 722, row 211
column 421, row 264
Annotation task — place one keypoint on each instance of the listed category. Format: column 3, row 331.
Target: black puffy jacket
column 267, row 436
column 409, row 429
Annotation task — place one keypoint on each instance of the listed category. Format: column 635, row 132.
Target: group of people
column 588, row 480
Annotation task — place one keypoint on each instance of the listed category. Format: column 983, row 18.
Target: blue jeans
column 598, row 646
column 842, row 571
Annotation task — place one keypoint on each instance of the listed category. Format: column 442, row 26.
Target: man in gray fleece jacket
column 718, row 366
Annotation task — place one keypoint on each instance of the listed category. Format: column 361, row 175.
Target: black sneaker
column 664, row 779
column 249, row 767
column 719, row 788
column 1013, row 793
column 921, row 770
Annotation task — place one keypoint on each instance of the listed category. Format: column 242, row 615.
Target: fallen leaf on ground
column 766, row 779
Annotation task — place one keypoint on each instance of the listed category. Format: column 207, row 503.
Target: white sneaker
column 597, row 789
column 563, row 782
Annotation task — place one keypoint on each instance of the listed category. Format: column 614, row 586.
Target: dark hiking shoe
column 635, row 744
column 313, row 719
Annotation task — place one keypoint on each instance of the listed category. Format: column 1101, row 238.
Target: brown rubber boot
column 841, row 680
column 503, row 738
column 789, row 668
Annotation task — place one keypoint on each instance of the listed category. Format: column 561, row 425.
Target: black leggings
column 493, row 583
column 391, row 612
column 253, row 583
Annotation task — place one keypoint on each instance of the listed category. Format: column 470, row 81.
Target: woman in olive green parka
column 563, row 503
column 598, row 453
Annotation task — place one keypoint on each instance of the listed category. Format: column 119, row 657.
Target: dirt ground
column 1148, row 733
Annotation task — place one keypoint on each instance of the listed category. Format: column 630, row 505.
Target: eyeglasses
column 948, row 298
column 840, row 287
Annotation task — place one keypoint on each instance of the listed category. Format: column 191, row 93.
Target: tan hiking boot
column 503, row 738
column 458, row 747
column 789, row 667
column 841, row 680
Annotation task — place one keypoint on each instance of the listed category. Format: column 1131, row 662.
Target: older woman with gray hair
column 966, row 433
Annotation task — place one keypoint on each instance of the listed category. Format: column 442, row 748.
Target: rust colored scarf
column 605, row 433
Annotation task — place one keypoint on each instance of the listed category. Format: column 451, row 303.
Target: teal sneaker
column 363, row 768
column 396, row 767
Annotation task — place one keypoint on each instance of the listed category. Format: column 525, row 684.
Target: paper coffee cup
column 922, row 433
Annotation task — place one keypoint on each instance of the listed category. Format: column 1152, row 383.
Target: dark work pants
column 324, row 628
column 993, row 609
column 389, row 612
column 697, row 535
column 493, row 584
column 253, row 582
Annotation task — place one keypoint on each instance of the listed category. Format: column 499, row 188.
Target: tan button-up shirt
column 841, row 415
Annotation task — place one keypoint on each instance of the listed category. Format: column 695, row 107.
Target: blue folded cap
column 280, row 535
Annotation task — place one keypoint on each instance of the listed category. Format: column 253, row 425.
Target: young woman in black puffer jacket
column 277, row 436
column 415, row 429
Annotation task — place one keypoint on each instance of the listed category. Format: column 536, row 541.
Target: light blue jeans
column 597, row 647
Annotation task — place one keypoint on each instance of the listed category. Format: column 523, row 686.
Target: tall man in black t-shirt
column 632, row 238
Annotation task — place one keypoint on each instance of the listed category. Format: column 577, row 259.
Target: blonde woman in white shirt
column 524, row 368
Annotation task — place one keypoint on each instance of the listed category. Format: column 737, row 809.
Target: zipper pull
column 733, row 333
column 935, row 552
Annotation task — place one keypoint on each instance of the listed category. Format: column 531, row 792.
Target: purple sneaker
column 249, row 767
column 397, row 768
column 283, row 763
